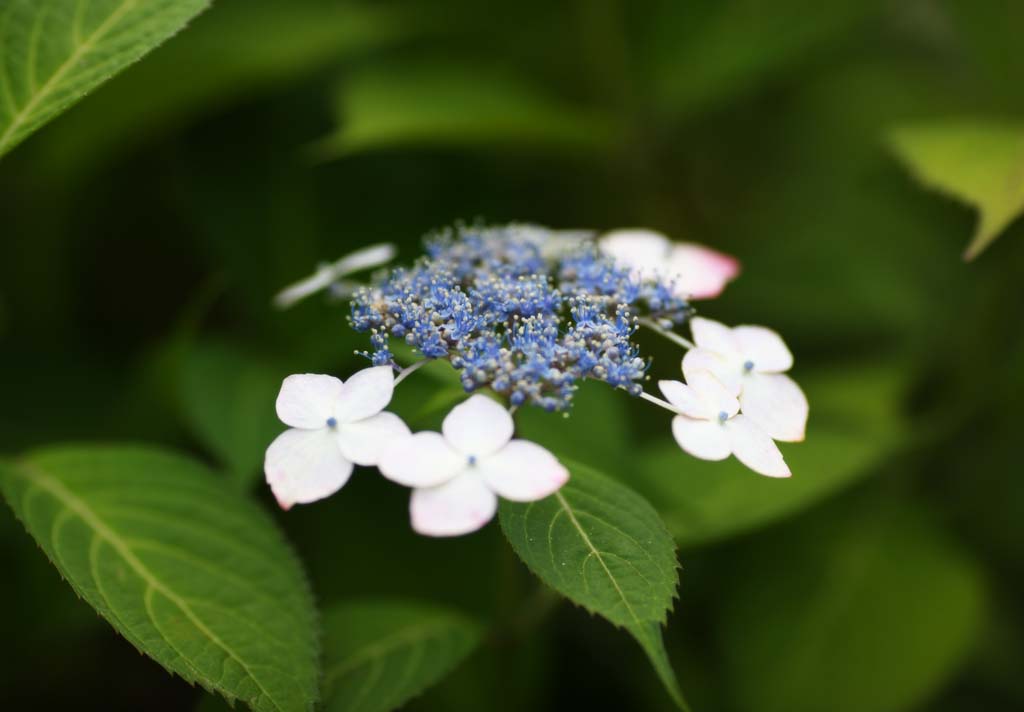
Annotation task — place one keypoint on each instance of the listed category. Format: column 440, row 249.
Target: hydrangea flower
column 328, row 274
column 459, row 473
column 751, row 361
column 696, row 272
column 334, row 425
column 710, row 426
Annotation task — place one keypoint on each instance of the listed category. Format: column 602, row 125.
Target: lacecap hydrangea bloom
column 524, row 315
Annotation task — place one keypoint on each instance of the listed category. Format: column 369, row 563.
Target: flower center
column 722, row 416
column 748, row 366
column 471, row 459
column 332, row 422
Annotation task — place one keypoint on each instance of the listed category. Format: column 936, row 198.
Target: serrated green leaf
column 855, row 421
column 380, row 654
column 190, row 573
column 864, row 606
column 228, row 398
column 979, row 162
column 603, row 547
column 437, row 104
column 52, row 52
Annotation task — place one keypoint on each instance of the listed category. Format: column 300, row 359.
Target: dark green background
column 143, row 233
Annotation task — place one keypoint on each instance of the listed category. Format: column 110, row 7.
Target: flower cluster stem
column 409, row 370
column 658, row 401
column 670, row 335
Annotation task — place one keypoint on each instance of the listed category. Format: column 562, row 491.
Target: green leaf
column 603, row 547
column 865, row 606
column 855, row 422
column 380, row 654
column 190, row 573
column 436, row 104
column 52, row 52
column 228, row 398
column 979, row 162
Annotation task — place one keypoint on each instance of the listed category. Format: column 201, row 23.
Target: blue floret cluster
column 525, row 311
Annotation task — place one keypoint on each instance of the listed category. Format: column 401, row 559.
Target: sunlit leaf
column 979, row 162
column 865, row 606
column 855, row 421
column 52, row 52
column 450, row 105
column 228, row 397
column 190, row 573
column 603, row 547
column 379, row 654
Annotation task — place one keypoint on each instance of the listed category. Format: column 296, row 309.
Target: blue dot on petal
column 332, row 422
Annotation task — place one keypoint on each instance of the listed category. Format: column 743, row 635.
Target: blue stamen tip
column 748, row 366
column 723, row 416
column 472, row 459
column 332, row 422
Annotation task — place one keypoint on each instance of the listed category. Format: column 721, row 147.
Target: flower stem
column 658, row 401
column 408, row 370
column 670, row 335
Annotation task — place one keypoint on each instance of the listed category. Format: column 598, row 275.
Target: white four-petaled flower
column 459, row 473
column 334, row 425
column 697, row 272
column 750, row 361
column 710, row 426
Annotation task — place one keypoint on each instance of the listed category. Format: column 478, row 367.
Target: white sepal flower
column 751, row 361
column 328, row 274
column 709, row 426
column 459, row 473
column 697, row 272
column 335, row 425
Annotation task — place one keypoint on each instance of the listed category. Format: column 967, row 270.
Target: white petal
column 717, row 399
column 307, row 400
column 643, row 251
column 421, row 460
column 684, row 399
column 700, row 272
column 366, row 393
column 730, row 373
column 364, row 441
column 764, row 348
column 303, row 466
column 701, row 438
column 365, row 258
column 754, row 448
column 776, row 405
column 457, row 507
column 716, row 337
column 478, row 426
column 522, row 471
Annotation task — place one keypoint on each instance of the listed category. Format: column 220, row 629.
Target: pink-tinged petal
column 307, row 400
column 684, row 399
column 728, row 373
column 640, row 250
column 421, row 460
column 719, row 402
column 478, row 426
column 459, row 506
column 364, row 441
column 366, row 393
column 302, row 466
column 703, row 439
column 763, row 350
column 715, row 337
column 754, row 448
column 776, row 405
column 700, row 272
column 522, row 471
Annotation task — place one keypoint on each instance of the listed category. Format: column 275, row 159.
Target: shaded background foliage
column 145, row 231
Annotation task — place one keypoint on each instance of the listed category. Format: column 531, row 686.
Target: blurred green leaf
column 237, row 49
column 187, row 571
column 379, row 654
column 228, row 397
column 855, row 421
column 603, row 547
column 979, row 162
column 865, row 606
column 52, row 52
column 456, row 105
